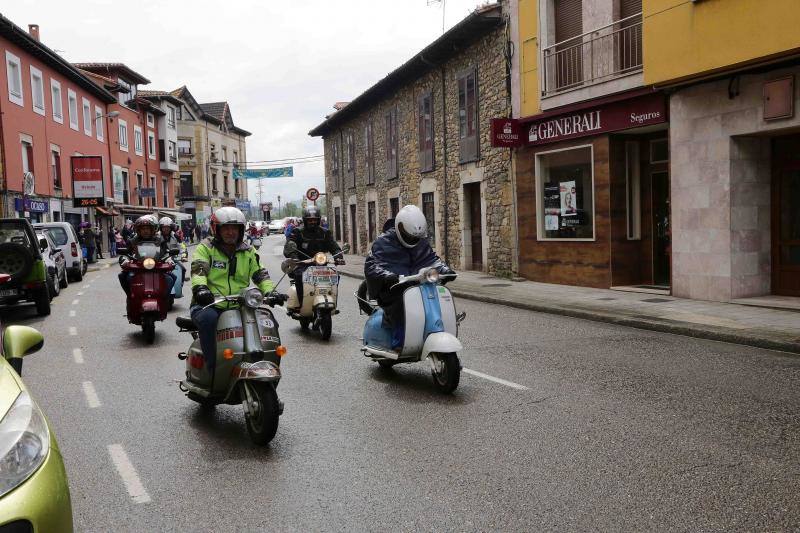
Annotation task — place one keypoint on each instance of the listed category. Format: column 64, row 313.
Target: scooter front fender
column 264, row 371
column 441, row 342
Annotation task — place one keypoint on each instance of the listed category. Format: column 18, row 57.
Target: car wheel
column 15, row 260
column 53, row 286
column 43, row 301
column 63, row 282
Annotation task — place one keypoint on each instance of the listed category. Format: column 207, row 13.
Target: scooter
column 320, row 291
column 249, row 352
column 177, row 288
column 430, row 328
column 149, row 299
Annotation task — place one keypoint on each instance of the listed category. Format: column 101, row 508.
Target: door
column 353, row 228
column 472, row 193
column 786, row 217
column 661, row 228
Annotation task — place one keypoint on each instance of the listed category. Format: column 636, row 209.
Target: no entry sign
column 312, row 194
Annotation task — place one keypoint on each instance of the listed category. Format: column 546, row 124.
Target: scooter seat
column 186, row 323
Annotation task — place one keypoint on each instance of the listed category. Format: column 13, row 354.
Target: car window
column 40, row 236
column 59, row 236
column 12, row 232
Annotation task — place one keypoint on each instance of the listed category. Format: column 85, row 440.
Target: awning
column 108, row 212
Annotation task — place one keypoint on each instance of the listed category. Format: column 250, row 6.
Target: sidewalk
column 740, row 324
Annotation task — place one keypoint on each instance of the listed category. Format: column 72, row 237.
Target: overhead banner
column 87, row 180
column 257, row 174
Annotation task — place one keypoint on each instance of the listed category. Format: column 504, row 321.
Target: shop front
column 593, row 194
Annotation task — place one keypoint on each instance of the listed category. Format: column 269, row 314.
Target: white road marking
column 80, row 294
column 91, row 395
column 73, row 330
column 496, row 380
column 128, row 474
column 75, row 301
column 72, row 313
column 77, row 354
column 85, row 286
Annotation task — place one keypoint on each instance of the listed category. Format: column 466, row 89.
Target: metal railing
column 599, row 55
column 190, row 191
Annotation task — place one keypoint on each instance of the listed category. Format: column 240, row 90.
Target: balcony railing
column 191, row 192
column 602, row 54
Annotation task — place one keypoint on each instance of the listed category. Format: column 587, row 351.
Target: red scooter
column 149, row 294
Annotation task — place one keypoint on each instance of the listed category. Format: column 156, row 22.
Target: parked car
column 278, row 225
column 66, row 239
column 21, row 258
column 34, row 492
column 54, row 261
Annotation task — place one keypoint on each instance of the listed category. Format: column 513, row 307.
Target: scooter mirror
column 346, row 248
column 291, row 246
column 288, row 265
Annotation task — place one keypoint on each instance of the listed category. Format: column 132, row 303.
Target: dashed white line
column 80, row 294
column 496, row 380
column 75, row 301
column 77, row 354
column 72, row 313
column 91, row 395
column 73, row 330
column 128, row 474
column 85, row 286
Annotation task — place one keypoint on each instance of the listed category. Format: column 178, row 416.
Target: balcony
column 191, row 193
column 601, row 55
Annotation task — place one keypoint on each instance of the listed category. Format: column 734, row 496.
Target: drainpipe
column 345, row 208
column 445, row 192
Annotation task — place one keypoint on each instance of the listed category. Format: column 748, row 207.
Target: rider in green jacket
column 223, row 265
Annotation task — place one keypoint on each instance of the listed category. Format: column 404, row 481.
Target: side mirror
column 19, row 341
column 288, row 265
column 346, row 248
column 291, row 246
column 42, row 244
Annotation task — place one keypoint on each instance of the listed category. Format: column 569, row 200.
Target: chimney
column 33, row 29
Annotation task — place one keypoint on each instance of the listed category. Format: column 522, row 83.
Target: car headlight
column 432, row 276
column 253, row 298
column 149, row 263
column 24, row 442
column 320, row 258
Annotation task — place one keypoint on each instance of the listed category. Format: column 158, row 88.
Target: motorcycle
column 249, row 352
column 148, row 301
column 430, row 326
column 320, row 291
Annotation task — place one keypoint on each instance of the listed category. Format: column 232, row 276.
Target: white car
column 55, row 263
column 66, row 239
column 278, row 225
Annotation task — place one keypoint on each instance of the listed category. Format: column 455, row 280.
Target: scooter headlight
column 432, row 276
column 320, row 258
column 24, row 442
column 253, row 298
column 149, row 263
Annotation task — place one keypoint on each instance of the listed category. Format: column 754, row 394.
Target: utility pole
column 444, row 7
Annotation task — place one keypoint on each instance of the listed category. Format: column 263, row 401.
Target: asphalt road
column 610, row 428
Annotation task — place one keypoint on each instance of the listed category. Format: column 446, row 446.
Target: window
column 236, row 188
column 171, row 151
column 185, row 147
column 351, row 159
column 391, row 144
column 371, row 221
column 171, row 117
column 568, row 22
column 187, row 185
column 235, row 159
column 129, row 93
column 14, row 73
column 179, row 113
column 139, row 180
column 37, row 90
column 58, row 105
column 73, row 109
column 213, row 150
column 335, row 165
column 151, row 145
column 98, row 122
column 164, row 192
column 425, row 127
column 225, row 184
column 394, row 206
column 125, row 193
column 633, row 193
column 565, row 194
column 369, row 150
column 659, row 151
column 123, row 135
column 214, row 189
column 353, row 229
column 138, row 141
column 337, row 223
column 87, row 117
column 151, row 120
column 55, row 166
column 468, row 116
column 429, row 211
column 27, row 156
column 224, row 155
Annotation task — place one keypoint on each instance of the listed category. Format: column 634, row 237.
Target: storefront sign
column 147, row 192
column 506, row 133
column 87, row 179
column 87, row 202
column 119, row 184
column 34, row 206
column 615, row 116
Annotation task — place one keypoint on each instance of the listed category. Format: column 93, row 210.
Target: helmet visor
column 410, row 240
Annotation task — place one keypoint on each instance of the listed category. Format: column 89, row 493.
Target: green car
column 21, row 258
column 34, row 494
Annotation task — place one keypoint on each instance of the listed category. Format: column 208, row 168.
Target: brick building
column 421, row 135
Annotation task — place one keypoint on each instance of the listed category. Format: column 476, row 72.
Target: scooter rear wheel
column 304, row 322
column 325, row 326
column 262, row 417
column 446, row 371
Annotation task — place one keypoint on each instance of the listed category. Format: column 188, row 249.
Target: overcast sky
column 280, row 64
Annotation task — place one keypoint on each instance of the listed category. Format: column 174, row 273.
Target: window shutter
column 429, row 142
column 161, row 150
column 468, row 116
column 628, row 8
column 569, row 19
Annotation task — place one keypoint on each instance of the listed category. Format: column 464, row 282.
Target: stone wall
column 493, row 163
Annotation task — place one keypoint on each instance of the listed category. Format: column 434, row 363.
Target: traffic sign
column 312, row 194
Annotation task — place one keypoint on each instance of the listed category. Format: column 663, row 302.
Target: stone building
column 422, row 135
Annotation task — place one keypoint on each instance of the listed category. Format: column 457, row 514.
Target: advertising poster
column 87, row 177
column 568, row 199
column 552, row 206
column 119, row 184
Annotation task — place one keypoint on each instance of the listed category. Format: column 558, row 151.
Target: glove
column 451, row 276
column 202, row 295
column 277, row 299
column 391, row 280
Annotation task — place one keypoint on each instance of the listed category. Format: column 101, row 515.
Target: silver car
column 54, row 261
column 66, row 239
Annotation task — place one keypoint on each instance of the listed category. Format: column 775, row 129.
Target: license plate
column 321, row 276
column 8, row 292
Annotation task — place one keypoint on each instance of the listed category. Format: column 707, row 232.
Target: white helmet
column 228, row 215
column 165, row 221
column 411, row 226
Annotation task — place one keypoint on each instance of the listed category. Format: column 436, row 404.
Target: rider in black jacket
column 310, row 238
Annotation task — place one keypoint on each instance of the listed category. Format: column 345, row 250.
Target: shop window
column 565, row 194
column 633, row 191
column 430, row 216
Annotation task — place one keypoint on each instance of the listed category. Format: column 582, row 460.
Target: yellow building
column 731, row 70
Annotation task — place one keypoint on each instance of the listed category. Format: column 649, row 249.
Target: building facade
column 422, row 135
column 210, row 147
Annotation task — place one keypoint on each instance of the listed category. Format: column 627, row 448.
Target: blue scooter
column 430, row 329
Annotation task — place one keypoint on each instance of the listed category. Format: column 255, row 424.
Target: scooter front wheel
column 325, row 326
column 149, row 328
column 446, row 371
column 261, row 411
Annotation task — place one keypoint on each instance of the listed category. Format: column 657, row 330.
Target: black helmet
column 311, row 216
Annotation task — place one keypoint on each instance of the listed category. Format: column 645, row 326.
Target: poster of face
column 568, row 198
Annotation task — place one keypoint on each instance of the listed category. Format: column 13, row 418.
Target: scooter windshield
column 148, row 249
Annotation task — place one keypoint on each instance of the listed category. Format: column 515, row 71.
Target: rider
column 310, row 239
column 144, row 230
column 223, row 265
column 401, row 250
column 170, row 239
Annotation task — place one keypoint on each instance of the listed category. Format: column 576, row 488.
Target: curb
column 652, row 324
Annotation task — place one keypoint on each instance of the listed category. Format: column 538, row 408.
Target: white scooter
column 320, row 291
column 430, row 327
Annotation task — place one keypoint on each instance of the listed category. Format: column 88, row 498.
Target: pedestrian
column 112, row 241
column 127, row 230
column 88, row 241
column 98, row 239
column 197, row 232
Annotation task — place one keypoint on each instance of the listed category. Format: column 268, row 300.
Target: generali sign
column 505, row 133
column 615, row 116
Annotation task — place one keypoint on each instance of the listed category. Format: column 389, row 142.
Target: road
column 595, row 427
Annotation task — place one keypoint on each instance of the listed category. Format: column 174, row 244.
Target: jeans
column 206, row 320
column 112, row 248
